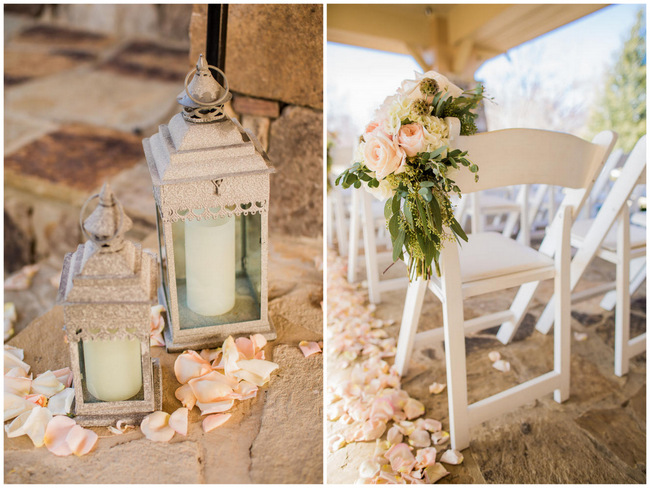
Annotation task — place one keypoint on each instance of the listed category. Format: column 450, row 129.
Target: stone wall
column 274, row 64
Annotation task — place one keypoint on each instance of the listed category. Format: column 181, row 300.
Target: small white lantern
column 211, row 186
column 108, row 286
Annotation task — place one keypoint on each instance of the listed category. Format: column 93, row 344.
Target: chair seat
column 496, row 203
column 489, row 254
column 581, row 227
column 639, row 218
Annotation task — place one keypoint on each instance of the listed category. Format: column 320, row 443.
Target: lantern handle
column 210, row 104
column 119, row 225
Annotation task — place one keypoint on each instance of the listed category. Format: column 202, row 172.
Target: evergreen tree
column 622, row 106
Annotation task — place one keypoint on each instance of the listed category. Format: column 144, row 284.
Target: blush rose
column 411, row 139
column 382, row 154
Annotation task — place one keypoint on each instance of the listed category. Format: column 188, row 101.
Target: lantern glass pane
column 220, row 278
column 111, row 370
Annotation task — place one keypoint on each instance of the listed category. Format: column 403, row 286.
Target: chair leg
column 562, row 334
column 339, row 222
column 638, row 276
column 370, row 251
column 353, row 236
column 622, row 313
column 409, row 326
column 519, row 306
column 453, row 320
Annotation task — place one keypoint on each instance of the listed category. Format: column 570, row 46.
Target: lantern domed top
column 108, row 223
column 204, row 97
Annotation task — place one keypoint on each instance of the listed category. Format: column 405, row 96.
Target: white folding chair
column 367, row 215
column 338, row 201
column 611, row 237
column 492, row 262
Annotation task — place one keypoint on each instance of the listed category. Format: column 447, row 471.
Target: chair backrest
column 529, row 156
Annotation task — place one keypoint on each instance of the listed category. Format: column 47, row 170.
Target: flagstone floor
column 597, row 436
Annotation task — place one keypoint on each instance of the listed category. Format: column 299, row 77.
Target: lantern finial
column 108, row 223
column 203, row 98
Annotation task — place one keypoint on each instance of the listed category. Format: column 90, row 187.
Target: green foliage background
column 622, row 105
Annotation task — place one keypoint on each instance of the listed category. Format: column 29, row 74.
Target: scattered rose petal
column 428, row 424
column 451, row 456
column 32, row 423
column 580, row 336
column 335, row 442
column 81, row 441
column 186, row 396
column 334, row 411
column 394, row 435
column 190, row 365
column 439, row 438
column 210, row 387
column 309, row 348
column 246, row 347
column 436, row 388
column 10, row 320
column 425, row 457
column 47, row 384
column 12, row 361
column 401, row 458
column 229, row 358
column 244, row 391
column 55, row 435
column 413, row 408
column 64, row 375
column 178, row 420
column 155, row 427
column 259, row 341
column 419, row 438
column 494, row 356
column 368, row 469
column 211, row 422
column 157, row 325
column 501, row 365
column 16, row 405
column 21, row 280
column 18, row 385
column 14, row 351
column 37, row 399
column 61, row 403
column 434, row 473
column 215, row 407
column 258, row 371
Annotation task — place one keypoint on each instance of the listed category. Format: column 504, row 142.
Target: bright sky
column 359, row 79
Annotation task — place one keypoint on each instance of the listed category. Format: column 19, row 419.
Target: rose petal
column 179, row 420
column 21, row 280
column 17, row 385
column 451, row 456
column 190, row 365
column 259, row 341
column 14, row 351
column 501, row 365
column 335, row 442
column 64, row 375
column 428, row 424
column 230, row 357
column 434, row 473
column 186, row 396
column 413, row 408
column 436, row 388
column 494, row 356
column 215, row 407
column 401, row 458
column 244, row 391
column 17, row 373
column 15, row 405
column 81, row 441
column 250, row 377
column 246, row 347
column 56, row 433
column 61, row 403
column 210, row 387
column 426, row 457
column 394, row 435
column 155, row 427
column 580, row 336
column 257, row 367
column 440, row 437
column 47, row 384
column 12, row 361
column 419, row 438
column 37, row 399
column 368, row 469
column 309, row 348
column 211, row 422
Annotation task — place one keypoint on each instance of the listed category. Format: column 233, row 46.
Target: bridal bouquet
column 403, row 157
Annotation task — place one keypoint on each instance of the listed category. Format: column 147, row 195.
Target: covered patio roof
column 452, row 39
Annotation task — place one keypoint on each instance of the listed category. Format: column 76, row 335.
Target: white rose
column 383, row 192
column 411, row 88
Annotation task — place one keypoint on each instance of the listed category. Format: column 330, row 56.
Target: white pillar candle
column 178, row 236
column 210, row 265
column 113, row 369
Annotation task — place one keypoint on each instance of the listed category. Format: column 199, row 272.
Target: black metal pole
column 215, row 45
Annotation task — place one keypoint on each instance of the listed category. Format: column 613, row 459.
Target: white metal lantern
column 211, row 186
column 107, row 288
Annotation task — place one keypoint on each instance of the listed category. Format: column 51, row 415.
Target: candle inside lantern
column 210, row 265
column 113, row 368
column 178, row 235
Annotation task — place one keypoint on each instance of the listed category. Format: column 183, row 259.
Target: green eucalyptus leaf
column 388, row 209
column 427, row 184
column 398, row 244
column 426, row 194
column 393, row 226
column 395, row 205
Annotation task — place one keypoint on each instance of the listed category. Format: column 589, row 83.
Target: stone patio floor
column 597, row 436
column 77, row 105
